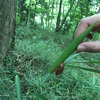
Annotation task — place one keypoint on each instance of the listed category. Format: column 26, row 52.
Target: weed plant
column 33, row 55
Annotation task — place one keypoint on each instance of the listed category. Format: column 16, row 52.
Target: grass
column 34, row 53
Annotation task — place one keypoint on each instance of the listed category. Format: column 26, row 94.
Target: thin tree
column 34, row 13
column 58, row 17
column 72, row 16
column 64, row 19
column 21, row 5
column 29, row 13
column 52, row 12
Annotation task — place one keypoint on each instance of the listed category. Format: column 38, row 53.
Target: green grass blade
column 45, row 77
column 40, row 97
column 86, row 69
column 91, row 62
column 18, row 87
column 71, row 48
column 71, row 57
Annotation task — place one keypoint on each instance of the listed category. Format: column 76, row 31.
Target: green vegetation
column 18, row 86
column 39, row 42
column 32, row 59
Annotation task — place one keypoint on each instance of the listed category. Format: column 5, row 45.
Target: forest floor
column 34, row 53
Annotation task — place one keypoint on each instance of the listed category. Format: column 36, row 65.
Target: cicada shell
column 60, row 69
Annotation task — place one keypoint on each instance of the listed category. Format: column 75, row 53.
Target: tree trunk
column 29, row 13
column 98, row 10
column 72, row 16
column 52, row 13
column 34, row 13
column 7, row 26
column 87, row 7
column 63, row 21
column 58, row 17
column 22, row 7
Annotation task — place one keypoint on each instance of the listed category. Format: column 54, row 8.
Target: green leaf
column 18, row 87
column 71, row 48
column 84, row 68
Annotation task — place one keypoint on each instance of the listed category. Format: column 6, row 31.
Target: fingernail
column 81, row 48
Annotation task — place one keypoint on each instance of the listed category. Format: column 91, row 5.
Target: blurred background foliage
column 43, row 29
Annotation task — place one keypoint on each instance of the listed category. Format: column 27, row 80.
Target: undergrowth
column 34, row 53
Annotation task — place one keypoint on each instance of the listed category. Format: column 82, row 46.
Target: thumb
column 89, row 47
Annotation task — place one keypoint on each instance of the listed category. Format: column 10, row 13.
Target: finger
column 89, row 47
column 86, row 22
column 82, row 26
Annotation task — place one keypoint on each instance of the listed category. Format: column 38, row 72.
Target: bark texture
column 7, row 26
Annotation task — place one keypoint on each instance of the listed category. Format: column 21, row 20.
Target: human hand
column 85, row 46
column 93, row 46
